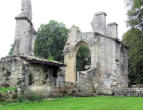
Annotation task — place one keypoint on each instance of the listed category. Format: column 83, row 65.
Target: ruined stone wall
column 44, row 80
column 134, row 92
column 10, row 71
column 42, row 75
column 108, row 55
column 67, row 89
column 37, row 74
column 76, row 39
column 86, row 76
column 14, row 68
column 124, row 66
column 23, row 38
column 112, row 64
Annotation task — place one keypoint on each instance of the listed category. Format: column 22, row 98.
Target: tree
column 135, row 13
column 50, row 43
column 51, row 40
column 11, row 50
column 83, row 58
column 134, row 39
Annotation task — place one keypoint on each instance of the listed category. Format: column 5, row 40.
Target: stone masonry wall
column 108, row 55
column 67, row 89
column 136, row 92
column 25, row 33
column 10, row 71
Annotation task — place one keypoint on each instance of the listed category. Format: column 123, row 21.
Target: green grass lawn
column 82, row 103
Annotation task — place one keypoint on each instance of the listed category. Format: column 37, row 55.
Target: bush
column 8, row 94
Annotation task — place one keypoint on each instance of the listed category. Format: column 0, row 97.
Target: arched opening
column 83, row 62
column 83, row 59
column 72, row 60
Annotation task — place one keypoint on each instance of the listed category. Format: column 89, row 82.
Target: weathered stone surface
column 23, row 71
column 108, row 69
column 26, row 10
column 136, row 92
column 99, row 23
column 25, row 34
column 112, row 30
column 10, row 71
column 108, row 55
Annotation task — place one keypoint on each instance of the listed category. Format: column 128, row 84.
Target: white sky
column 77, row 12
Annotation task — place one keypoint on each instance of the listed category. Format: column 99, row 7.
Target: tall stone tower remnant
column 24, row 32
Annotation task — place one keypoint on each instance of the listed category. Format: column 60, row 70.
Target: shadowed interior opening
column 83, row 59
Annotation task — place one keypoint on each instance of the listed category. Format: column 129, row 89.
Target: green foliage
column 3, row 90
column 134, row 39
column 51, row 40
column 5, row 96
column 83, row 58
column 50, row 43
column 135, row 13
column 51, row 58
column 79, row 103
column 11, row 50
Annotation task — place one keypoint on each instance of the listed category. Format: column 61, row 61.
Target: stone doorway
column 83, row 61
column 75, row 41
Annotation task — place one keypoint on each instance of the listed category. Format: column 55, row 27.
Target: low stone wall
column 101, row 91
column 67, row 89
column 138, row 92
column 79, row 89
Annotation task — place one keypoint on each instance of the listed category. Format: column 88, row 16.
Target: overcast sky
column 77, row 12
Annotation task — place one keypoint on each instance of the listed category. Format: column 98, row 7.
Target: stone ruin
column 109, row 56
column 23, row 70
column 108, row 69
column 25, row 33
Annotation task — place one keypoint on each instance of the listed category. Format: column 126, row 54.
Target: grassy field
column 82, row 103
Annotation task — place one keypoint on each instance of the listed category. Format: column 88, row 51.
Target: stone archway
column 71, row 62
column 76, row 39
column 83, row 59
column 106, row 58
